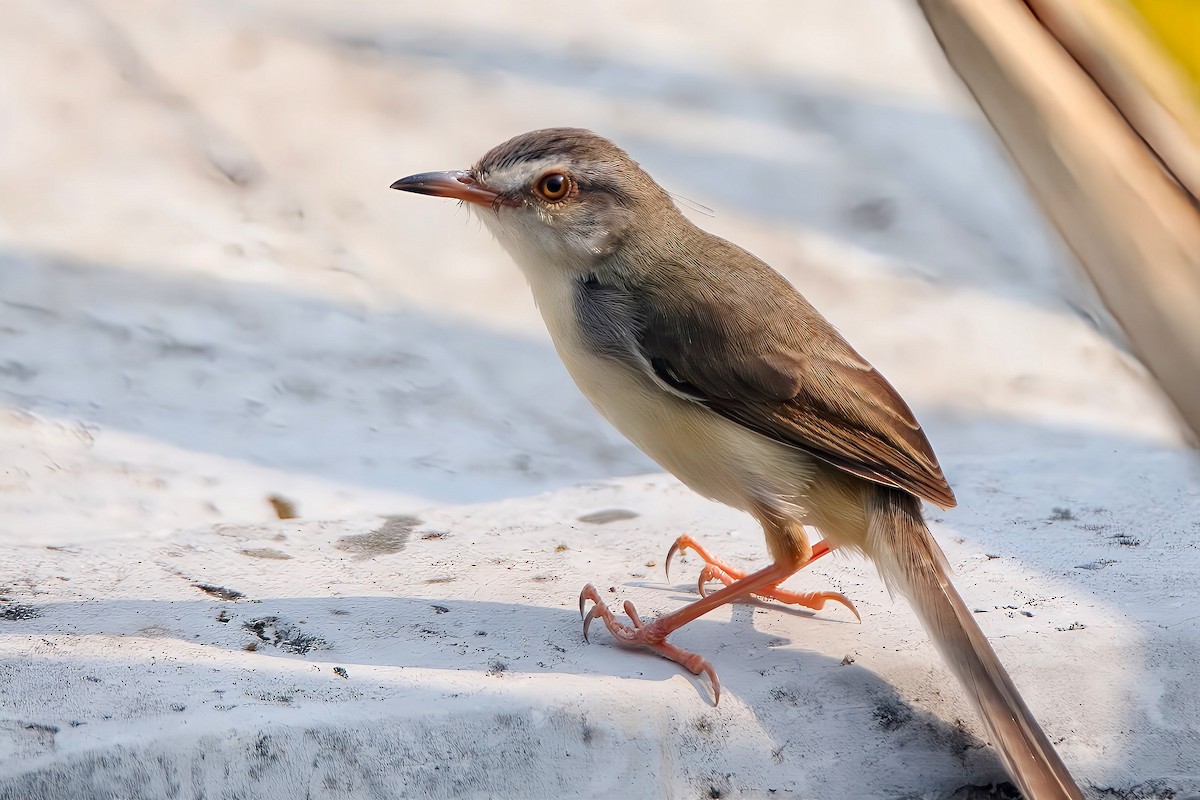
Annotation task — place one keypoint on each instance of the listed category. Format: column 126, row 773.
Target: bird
column 716, row 367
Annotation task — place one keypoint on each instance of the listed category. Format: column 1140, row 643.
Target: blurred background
column 209, row 296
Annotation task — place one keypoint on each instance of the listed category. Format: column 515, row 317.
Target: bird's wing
column 770, row 362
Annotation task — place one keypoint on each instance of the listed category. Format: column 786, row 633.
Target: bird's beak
column 458, row 185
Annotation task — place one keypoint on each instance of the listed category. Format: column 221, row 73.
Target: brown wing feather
column 753, row 350
column 874, row 435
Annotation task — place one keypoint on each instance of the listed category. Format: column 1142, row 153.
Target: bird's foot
column 650, row 636
column 715, row 569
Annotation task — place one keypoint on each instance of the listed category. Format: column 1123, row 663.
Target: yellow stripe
column 1175, row 24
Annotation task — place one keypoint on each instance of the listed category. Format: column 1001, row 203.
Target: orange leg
column 715, row 569
column 653, row 635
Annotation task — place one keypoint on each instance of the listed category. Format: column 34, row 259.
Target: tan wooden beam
column 1150, row 90
column 1132, row 227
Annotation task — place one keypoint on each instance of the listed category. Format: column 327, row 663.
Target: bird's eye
column 554, row 187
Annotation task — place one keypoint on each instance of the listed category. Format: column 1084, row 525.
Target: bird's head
column 559, row 198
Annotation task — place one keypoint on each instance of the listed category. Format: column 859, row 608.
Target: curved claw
column 841, row 598
column 590, row 593
column 716, row 684
column 675, row 548
column 712, row 572
column 587, row 621
column 682, row 545
column 695, row 664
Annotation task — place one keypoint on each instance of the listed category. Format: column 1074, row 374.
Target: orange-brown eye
column 554, row 187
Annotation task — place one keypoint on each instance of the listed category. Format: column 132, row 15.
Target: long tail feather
column 912, row 563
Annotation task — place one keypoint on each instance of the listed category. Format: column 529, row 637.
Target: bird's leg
column 716, row 569
column 653, row 635
column 787, row 542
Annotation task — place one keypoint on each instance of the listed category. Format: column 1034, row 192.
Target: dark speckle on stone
column 996, row 791
column 440, row 609
column 265, row 749
column 389, row 538
column 15, row 369
column 219, row 592
column 341, row 672
column 1153, row 789
column 284, row 635
column 608, row 515
column 265, row 552
column 16, row 612
column 872, row 214
column 1099, row 564
column 1059, row 514
column 891, row 714
column 788, row 694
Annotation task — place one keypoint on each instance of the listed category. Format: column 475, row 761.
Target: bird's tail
column 912, row 564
